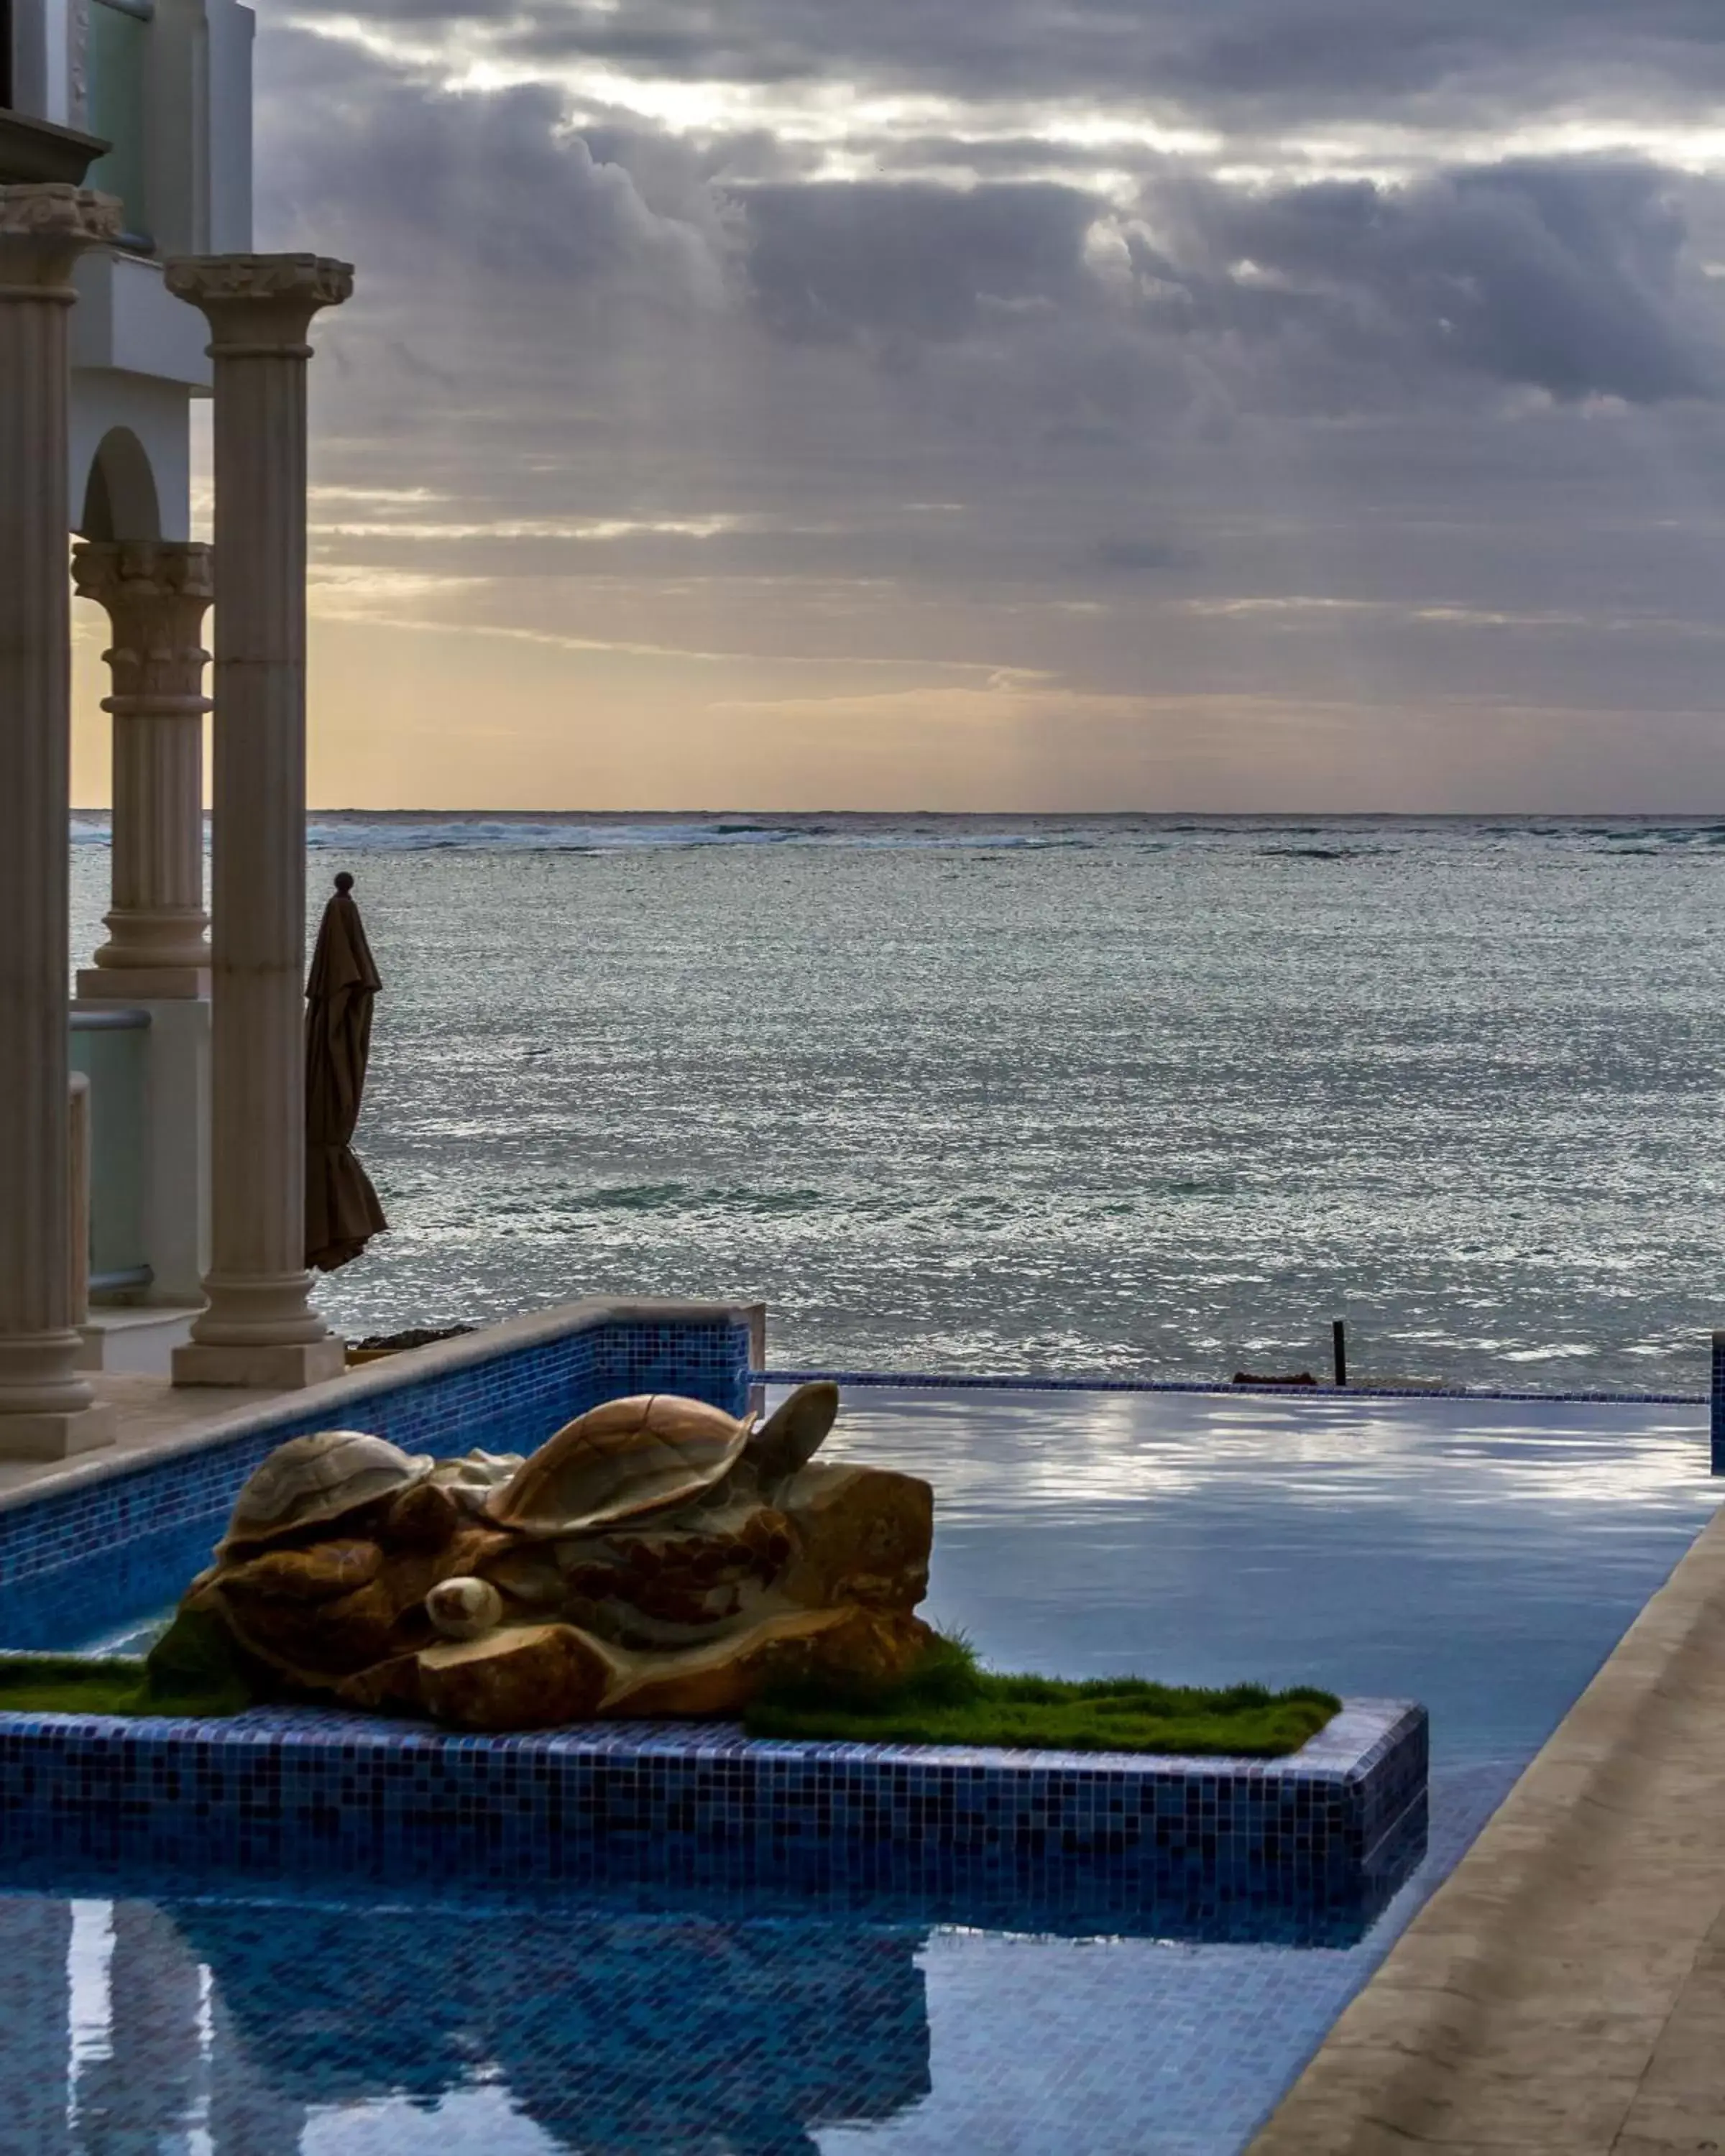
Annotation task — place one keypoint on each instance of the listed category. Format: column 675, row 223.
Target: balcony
column 33, row 151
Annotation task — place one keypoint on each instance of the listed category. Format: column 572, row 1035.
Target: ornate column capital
column 259, row 306
column 155, row 592
column 107, row 569
column 45, row 227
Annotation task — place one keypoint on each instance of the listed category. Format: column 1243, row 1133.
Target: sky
column 1012, row 404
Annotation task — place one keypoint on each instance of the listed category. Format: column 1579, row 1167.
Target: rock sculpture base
column 654, row 1558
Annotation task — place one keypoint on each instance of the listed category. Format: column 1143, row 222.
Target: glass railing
column 116, row 95
column 112, row 1048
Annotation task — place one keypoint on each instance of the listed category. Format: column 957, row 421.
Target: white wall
column 137, row 353
column 29, row 58
column 200, row 148
column 231, row 30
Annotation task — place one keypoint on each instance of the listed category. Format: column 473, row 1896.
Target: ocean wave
column 691, row 1197
column 395, row 834
column 1631, row 835
column 1323, row 853
column 972, row 837
column 497, row 835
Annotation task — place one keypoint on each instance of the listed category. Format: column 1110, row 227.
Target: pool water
column 1484, row 1558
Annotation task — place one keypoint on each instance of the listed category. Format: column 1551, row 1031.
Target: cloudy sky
column 1013, row 404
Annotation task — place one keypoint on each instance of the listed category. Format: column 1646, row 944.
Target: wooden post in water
column 1338, row 1346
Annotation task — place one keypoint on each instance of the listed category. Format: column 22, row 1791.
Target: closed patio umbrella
column 342, row 1209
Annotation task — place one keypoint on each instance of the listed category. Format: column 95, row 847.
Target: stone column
column 260, row 1328
column 46, row 1409
column 155, row 592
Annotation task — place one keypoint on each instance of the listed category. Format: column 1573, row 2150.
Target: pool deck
column 149, row 1415
column 1564, row 1990
column 154, row 1417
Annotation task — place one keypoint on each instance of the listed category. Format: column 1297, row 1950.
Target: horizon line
column 1028, row 815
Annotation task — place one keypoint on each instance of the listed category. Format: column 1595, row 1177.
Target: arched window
column 120, row 499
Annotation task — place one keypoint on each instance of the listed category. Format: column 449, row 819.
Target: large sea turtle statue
column 654, row 1557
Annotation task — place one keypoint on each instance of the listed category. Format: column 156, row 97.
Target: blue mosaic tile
column 143, row 2010
column 157, row 1521
column 1214, row 1844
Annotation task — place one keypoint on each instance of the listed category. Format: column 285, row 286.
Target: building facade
column 150, row 102
column 164, row 87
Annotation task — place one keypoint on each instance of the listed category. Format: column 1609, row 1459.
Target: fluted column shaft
column 259, row 1327
column 45, row 1408
column 155, row 593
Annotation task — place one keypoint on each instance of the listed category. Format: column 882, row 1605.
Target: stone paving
column 1565, row 1989
column 148, row 1413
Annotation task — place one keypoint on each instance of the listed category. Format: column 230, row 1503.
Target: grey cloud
column 1574, row 277
column 830, row 262
column 492, row 182
column 1138, row 556
column 1217, row 394
column 1577, row 277
column 1242, row 62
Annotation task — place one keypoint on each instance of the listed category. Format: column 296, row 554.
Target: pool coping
column 931, row 1381
column 409, row 1365
column 1562, row 1990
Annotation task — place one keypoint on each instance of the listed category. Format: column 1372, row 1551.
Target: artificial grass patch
column 949, row 1699
column 192, row 1670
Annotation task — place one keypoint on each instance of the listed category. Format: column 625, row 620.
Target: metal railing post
column 1715, row 1404
column 78, row 1195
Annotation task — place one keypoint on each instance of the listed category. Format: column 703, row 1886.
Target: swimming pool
column 1483, row 1556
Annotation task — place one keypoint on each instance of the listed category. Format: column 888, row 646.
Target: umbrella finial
column 344, row 883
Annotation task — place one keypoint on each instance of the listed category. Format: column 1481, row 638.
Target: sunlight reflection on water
column 1162, row 1097
column 1481, row 1556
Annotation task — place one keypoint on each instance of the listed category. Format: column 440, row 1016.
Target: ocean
column 1157, row 1096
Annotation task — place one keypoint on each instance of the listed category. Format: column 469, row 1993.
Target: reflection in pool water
column 611, row 2033
column 369, row 2024
column 1485, row 1559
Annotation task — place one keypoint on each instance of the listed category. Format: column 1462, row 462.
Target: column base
column 56, row 1436
column 277, row 1369
column 141, row 985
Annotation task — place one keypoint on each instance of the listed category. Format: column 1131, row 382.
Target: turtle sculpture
column 311, row 1481
column 655, row 1556
column 654, row 1453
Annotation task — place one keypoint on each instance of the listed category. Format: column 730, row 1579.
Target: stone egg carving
column 464, row 1607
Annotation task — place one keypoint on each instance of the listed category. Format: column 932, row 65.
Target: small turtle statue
column 312, row 1480
column 655, row 1453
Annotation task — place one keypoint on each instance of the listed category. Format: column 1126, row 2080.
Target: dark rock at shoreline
column 416, row 1336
